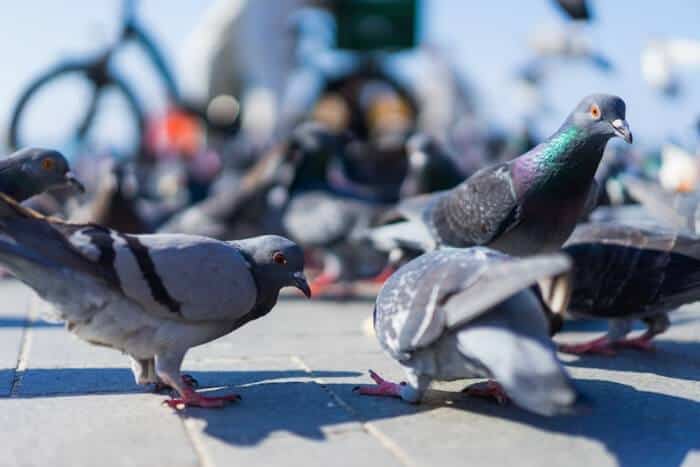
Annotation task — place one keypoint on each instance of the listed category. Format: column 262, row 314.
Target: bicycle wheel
column 71, row 109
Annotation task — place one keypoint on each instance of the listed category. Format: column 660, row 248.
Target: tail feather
column 513, row 344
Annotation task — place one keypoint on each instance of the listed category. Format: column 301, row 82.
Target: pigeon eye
column 279, row 258
column 595, row 111
column 48, row 164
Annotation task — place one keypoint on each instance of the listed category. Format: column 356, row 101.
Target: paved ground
column 66, row 403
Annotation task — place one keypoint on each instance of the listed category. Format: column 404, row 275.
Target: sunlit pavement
column 67, row 403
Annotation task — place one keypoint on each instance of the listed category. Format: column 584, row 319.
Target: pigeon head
column 44, row 169
column 276, row 262
column 602, row 115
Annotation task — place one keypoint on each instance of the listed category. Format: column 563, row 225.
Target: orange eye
column 279, row 258
column 595, row 111
column 48, row 164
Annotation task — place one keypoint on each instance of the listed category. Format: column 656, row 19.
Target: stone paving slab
column 77, row 405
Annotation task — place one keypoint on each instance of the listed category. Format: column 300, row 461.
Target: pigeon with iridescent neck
column 525, row 206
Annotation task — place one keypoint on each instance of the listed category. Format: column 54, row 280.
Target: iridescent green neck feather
column 555, row 151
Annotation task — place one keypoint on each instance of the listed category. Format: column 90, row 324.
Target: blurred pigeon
column 149, row 296
column 31, row 171
column 430, row 167
column 115, row 204
column 321, row 216
column 528, row 205
column 623, row 273
column 662, row 59
column 254, row 203
column 576, row 9
column 679, row 169
column 675, row 210
column 465, row 313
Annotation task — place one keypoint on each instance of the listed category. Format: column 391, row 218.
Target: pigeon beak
column 71, row 180
column 301, row 283
column 622, row 129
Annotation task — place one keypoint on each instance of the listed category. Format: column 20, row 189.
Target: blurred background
column 486, row 43
column 194, row 117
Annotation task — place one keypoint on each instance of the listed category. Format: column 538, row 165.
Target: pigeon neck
column 566, row 161
column 267, row 292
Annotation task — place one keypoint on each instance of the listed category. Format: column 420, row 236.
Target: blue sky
column 487, row 40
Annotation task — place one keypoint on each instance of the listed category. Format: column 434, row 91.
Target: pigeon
column 254, row 204
column 464, row 313
column 525, row 206
column 151, row 297
column 115, row 204
column 675, row 210
column 31, row 171
column 430, row 167
column 623, row 273
column 321, row 216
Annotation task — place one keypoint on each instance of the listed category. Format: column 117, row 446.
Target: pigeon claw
column 488, row 389
column 190, row 398
column 600, row 346
column 605, row 346
column 642, row 343
column 381, row 388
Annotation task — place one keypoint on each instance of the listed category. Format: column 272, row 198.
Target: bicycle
column 99, row 76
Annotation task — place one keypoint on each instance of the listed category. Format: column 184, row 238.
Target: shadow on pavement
column 638, row 428
column 672, row 359
column 21, row 321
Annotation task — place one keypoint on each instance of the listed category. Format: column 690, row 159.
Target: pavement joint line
column 194, row 437
column 22, row 357
column 372, row 430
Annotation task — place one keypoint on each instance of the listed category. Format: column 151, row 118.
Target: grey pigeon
column 430, row 167
column 31, row 171
column 151, row 297
column 624, row 273
column 465, row 313
column 525, row 206
column 679, row 211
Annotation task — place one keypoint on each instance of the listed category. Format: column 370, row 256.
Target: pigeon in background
column 467, row 313
column 675, row 210
column 151, row 297
column 31, row 171
column 254, row 204
column 320, row 216
column 115, row 203
column 623, row 273
column 576, row 9
column 430, row 167
column 521, row 207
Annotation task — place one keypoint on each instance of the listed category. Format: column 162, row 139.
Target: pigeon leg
column 656, row 324
column 332, row 268
column 382, row 388
column 488, row 389
column 188, row 380
column 601, row 346
column 642, row 342
column 168, row 369
column 384, row 274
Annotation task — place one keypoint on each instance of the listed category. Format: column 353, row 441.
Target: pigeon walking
column 525, row 206
column 623, row 273
column 151, row 297
column 465, row 313
column 31, row 171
